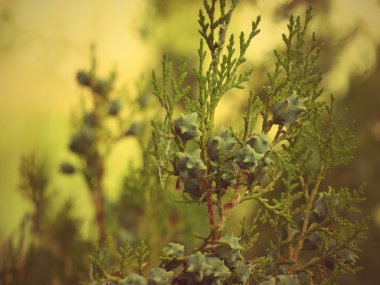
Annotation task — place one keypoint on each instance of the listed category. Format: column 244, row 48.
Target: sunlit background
column 43, row 43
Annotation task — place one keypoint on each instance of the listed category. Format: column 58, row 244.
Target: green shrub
column 279, row 159
column 276, row 163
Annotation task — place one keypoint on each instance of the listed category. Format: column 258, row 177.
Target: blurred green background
column 43, row 43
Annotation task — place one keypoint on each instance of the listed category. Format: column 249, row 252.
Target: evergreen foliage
column 47, row 238
column 288, row 143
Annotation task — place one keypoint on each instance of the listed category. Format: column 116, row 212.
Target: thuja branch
column 310, row 199
column 92, row 140
column 221, row 168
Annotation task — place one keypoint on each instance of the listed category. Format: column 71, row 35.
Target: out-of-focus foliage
column 48, row 248
column 364, row 165
column 143, row 210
